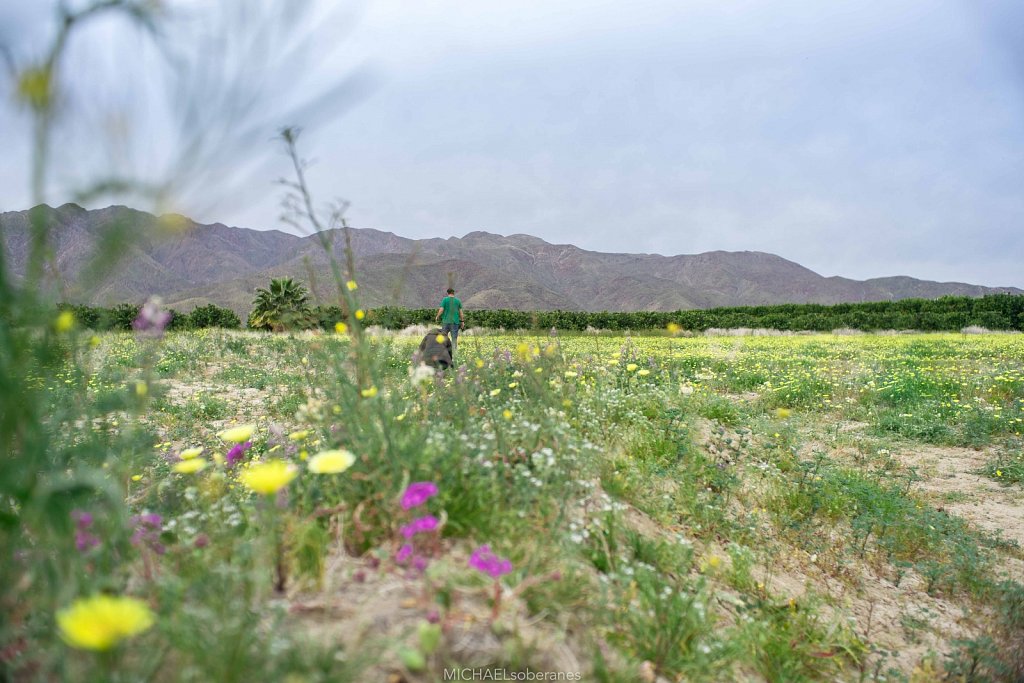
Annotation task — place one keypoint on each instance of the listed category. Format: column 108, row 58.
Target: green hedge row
column 121, row 316
column 995, row 312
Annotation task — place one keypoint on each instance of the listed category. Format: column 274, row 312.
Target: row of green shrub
column 121, row 317
column 995, row 312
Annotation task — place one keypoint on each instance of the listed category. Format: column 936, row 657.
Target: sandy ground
column 951, row 482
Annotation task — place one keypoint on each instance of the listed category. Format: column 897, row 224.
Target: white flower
column 420, row 374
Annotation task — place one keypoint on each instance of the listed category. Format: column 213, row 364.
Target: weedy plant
column 170, row 500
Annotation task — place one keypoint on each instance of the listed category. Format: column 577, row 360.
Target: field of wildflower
column 238, row 506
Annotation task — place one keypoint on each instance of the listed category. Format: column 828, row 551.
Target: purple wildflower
column 202, row 540
column 419, row 563
column 419, row 525
column 83, row 519
column 487, row 562
column 151, row 519
column 234, row 456
column 85, row 541
column 403, row 554
column 152, row 320
column 147, row 532
column 417, row 494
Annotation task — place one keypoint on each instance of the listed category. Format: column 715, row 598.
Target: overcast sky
column 859, row 138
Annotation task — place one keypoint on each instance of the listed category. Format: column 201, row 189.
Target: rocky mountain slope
column 118, row 254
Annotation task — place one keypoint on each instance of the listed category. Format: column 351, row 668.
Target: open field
column 700, row 509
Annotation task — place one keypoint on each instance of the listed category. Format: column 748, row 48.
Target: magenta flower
column 84, row 539
column 487, row 562
column 418, row 493
column 152, row 320
column 151, row 519
column 419, row 525
column 147, row 532
column 83, row 519
column 403, row 554
column 234, row 456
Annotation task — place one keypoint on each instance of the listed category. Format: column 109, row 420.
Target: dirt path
column 951, row 482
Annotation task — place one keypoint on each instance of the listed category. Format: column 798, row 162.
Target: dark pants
column 453, row 331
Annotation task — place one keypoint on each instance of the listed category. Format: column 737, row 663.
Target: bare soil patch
column 950, row 481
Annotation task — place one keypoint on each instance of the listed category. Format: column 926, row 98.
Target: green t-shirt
column 451, row 308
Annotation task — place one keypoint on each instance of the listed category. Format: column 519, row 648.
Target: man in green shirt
column 450, row 315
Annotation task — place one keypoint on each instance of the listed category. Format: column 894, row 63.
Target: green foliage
column 211, row 315
column 282, row 306
column 121, row 317
column 996, row 312
column 1006, row 465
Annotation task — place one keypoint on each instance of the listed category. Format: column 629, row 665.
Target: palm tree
column 282, row 306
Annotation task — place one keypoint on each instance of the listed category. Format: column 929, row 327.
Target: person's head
column 451, row 290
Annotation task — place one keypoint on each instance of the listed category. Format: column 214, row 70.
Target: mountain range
column 189, row 264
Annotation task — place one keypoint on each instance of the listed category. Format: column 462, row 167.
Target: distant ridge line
column 190, row 264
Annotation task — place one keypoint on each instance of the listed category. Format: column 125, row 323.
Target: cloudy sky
column 857, row 137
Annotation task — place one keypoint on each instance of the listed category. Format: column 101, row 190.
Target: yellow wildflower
column 190, row 466
column 360, row 314
column 35, row 87
column 352, row 286
column 102, row 621
column 495, row 392
column 340, row 327
column 783, row 413
column 239, row 434
column 268, row 477
column 632, row 367
column 644, row 372
column 64, row 322
column 507, row 414
column 331, row 462
column 190, row 453
column 299, row 435
column 369, row 392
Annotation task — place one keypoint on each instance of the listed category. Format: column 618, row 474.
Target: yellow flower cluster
column 102, row 621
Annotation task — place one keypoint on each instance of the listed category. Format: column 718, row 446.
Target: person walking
column 450, row 315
